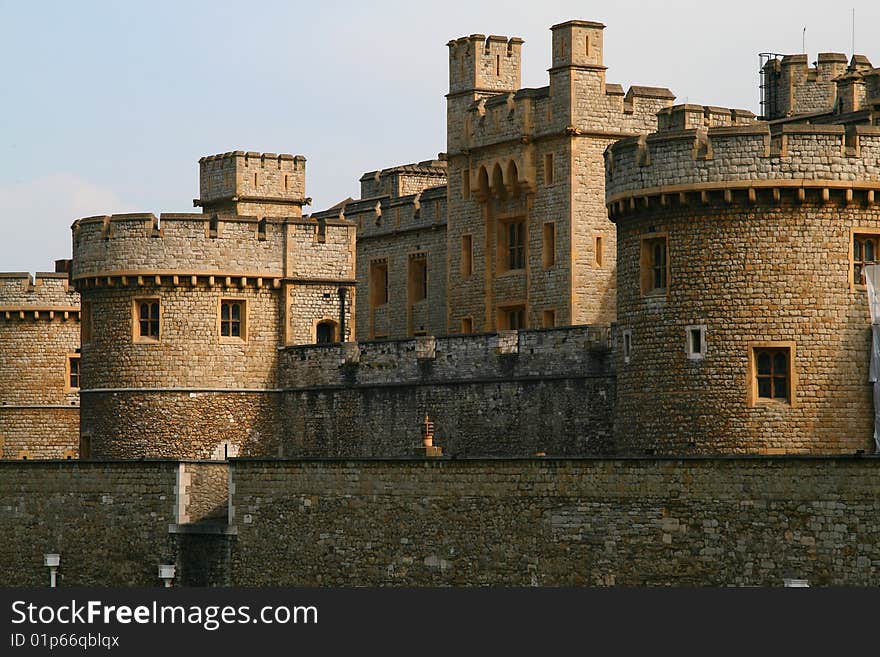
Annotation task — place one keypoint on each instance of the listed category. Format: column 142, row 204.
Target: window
column 599, row 251
column 466, row 183
column 378, row 282
column 233, row 319
column 865, row 252
column 467, row 255
column 85, row 446
column 147, row 320
column 72, row 373
column 512, row 318
column 85, row 326
column 695, row 341
column 467, row 325
column 549, row 245
column 418, row 278
column 512, row 245
column 548, row 169
column 627, row 345
column 655, row 264
column 771, row 372
column 325, row 332
column 549, row 318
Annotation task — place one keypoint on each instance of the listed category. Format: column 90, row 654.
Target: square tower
column 252, row 184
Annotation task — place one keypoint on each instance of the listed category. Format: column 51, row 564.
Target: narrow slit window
column 467, row 255
column 627, row 345
column 549, row 245
column 695, row 341
column 548, row 169
column 599, row 250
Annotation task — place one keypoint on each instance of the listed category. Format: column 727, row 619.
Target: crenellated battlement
column 478, row 63
column 691, row 117
column 403, row 180
column 47, row 295
column 569, row 351
column 186, row 242
column 823, row 162
column 388, row 215
column 792, row 87
column 265, row 184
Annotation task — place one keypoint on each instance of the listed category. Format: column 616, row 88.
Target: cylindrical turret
column 742, row 317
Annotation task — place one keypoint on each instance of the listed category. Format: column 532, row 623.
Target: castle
column 585, row 276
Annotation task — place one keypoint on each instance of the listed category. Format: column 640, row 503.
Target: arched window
column 325, row 333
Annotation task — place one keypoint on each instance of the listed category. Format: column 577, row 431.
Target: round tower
column 183, row 315
column 743, row 323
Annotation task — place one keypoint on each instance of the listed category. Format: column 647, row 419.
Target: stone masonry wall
column 508, row 394
column 405, row 227
column 39, row 329
column 759, row 238
column 108, row 521
column 549, row 522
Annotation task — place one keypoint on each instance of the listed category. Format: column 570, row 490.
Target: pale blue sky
column 107, row 106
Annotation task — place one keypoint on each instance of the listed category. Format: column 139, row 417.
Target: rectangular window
column 549, row 318
column 627, row 345
column 378, row 283
column 549, row 245
column 772, row 373
column 548, row 169
column 865, row 250
column 512, row 245
column 233, row 319
column 85, row 325
column 465, row 183
column 418, row 277
column 512, row 318
column 467, row 255
column 695, row 341
column 147, row 320
column 72, row 378
column 599, row 251
column 654, row 264
column 467, row 325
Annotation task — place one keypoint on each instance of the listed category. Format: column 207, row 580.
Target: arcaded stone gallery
column 600, row 331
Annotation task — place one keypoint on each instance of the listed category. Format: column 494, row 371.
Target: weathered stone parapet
column 571, row 351
column 178, row 243
column 671, row 167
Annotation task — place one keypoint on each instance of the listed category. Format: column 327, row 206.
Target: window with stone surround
column 378, row 282
column 233, row 320
column 548, row 251
column 147, row 320
column 326, row 332
column 71, row 375
column 512, row 317
column 654, row 263
column 772, row 376
column 467, row 325
column 511, row 244
column 418, row 277
column 548, row 318
column 599, row 250
column 695, row 341
column 865, row 251
column 467, row 255
column 549, row 174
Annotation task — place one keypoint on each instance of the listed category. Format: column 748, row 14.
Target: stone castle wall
column 513, row 393
column 393, row 230
column 502, row 148
column 549, row 522
column 39, row 331
column 759, row 231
